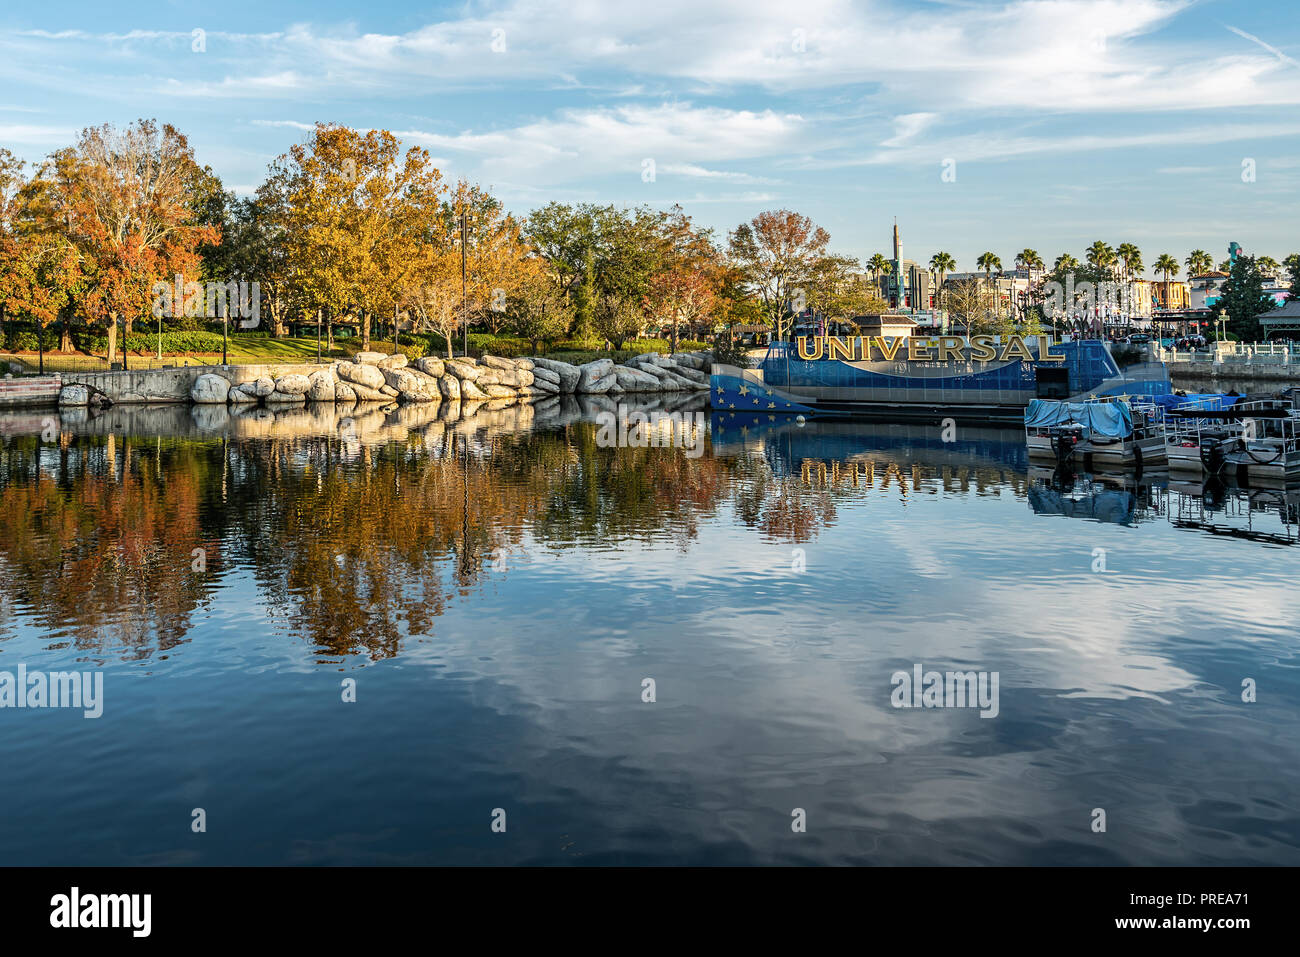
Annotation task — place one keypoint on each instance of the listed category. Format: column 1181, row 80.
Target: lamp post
column 225, row 332
column 462, row 221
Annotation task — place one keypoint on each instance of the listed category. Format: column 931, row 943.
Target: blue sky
column 1066, row 121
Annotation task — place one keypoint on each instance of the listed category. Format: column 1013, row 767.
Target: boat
column 1251, row 439
column 984, row 378
column 1114, row 432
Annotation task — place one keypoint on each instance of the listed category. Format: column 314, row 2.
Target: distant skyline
column 1170, row 124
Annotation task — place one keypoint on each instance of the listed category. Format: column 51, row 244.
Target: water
column 499, row 588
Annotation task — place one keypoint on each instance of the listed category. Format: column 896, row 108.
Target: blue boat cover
column 1206, row 400
column 1111, row 419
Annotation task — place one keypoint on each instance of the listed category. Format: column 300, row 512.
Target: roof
column 888, row 319
column 1288, row 310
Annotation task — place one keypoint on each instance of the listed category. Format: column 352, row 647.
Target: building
column 1171, row 296
column 889, row 324
column 1204, row 290
column 908, row 286
column 1283, row 322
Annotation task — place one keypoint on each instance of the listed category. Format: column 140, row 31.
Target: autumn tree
column 776, row 252
column 127, row 201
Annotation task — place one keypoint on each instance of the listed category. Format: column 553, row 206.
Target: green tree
column 1198, row 263
column 1243, row 299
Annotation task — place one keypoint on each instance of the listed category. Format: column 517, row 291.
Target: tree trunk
column 277, row 319
column 112, row 338
column 674, row 343
column 365, row 330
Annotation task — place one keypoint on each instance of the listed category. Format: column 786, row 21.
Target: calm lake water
column 500, row 588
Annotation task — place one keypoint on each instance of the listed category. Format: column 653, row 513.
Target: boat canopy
column 1111, row 419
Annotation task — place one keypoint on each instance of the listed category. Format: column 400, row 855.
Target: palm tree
column 1101, row 256
column 988, row 262
column 878, row 264
column 1198, row 263
column 1166, row 266
column 1267, row 265
column 1028, row 259
column 941, row 264
column 1064, row 263
column 1131, row 257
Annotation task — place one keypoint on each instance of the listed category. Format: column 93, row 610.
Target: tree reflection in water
column 350, row 538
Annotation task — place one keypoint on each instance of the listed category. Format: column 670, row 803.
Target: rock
column 74, row 395
column 396, row 361
column 526, row 364
column 262, row 387
column 540, row 375
column 431, row 365
column 369, row 358
column 364, row 393
column 388, row 390
column 693, row 375
column 490, row 377
column 281, row 399
column 210, row 389
column 369, row 376
column 471, row 392
column 450, row 387
column 596, row 377
column 543, row 386
column 463, row 370
column 245, row 394
column 633, row 380
column 691, row 360
column 293, row 384
column 496, row 362
column 323, row 387
column 343, row 392
column 568, row 374
column 495, row 391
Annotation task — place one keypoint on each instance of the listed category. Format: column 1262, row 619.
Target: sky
column 1172, row 124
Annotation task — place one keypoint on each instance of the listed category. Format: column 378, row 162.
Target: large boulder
column 633, row 380
column 495, row 391
column 525, row 364
column 693, row 375
column 691, row 360
column 369, row 358
column 431, row 365
column 323, row 388
column 596, row 377
column 471, row 392
column 462, row 370
column 569, row 374
column 490, row 377
column 371, row 377
column 412, row 386
column 282, row 399
column 496, row 362
column 210, row 389
column 74, row 395
column 293, row 384
column 388, row 390
column 515, row 378
column 364, row 393
column 343, row 392
column 245, row 394
column 396, row 361
column 544, row 386
column 546, row 375
column 450, row 387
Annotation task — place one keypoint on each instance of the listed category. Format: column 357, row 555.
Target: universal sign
column 982, row 348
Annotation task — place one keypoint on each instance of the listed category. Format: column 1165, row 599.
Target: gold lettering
column 864, row 347
column 889, row 353
column 1045, row 350
column 950, row 348
column 839, row 348
column 1016, row 345
column 981, row 348
column 801, row 345
column 916, row 350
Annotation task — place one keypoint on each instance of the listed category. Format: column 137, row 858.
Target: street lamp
column 462, row 223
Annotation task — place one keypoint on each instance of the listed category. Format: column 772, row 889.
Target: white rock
column 471, row 392
column 245, row 394
column 369, row 376
column 463, row 370
column 496, row 362
column 74, row 395
column 263, row 387
column 293, row 384
column 210, row 389
column 569, row 374
column 396, row 361
column 323, row 388
column 343, row 392
column 431, row 365
column 369, row 358
column 450, row 387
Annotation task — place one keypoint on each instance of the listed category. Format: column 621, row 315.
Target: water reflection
column 503, row 584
